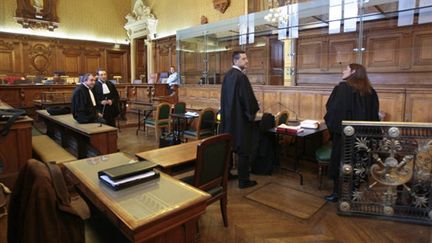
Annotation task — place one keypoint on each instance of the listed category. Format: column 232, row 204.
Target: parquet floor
column 252, row 222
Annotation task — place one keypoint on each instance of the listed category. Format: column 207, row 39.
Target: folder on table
column 127, row 175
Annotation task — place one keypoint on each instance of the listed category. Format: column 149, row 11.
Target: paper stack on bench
column 314, row 124
column 283, row 128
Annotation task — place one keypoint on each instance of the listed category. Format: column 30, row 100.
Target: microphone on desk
column 286, row 108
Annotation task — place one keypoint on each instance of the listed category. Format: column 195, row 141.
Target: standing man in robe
column 238, row 109
column 107, row 97
column 84, row 109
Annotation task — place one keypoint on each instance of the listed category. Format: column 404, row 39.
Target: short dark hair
column 100, row 69
column 236, row 55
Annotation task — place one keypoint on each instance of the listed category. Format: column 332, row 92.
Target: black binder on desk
column 127, row 175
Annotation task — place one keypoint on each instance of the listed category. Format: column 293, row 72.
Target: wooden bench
column 48, row 150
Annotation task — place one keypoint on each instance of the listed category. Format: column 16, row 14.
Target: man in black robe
column 238, row 109
column 107, row 97
column 353, row 99
column 84, row 109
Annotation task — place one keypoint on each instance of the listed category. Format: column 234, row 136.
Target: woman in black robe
column 352, row 99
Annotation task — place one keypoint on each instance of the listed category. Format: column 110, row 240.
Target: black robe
column 82, row 107
column 238, row 109
column 111, row 111
column 345, row 103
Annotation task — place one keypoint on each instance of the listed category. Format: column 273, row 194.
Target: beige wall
column 182, row 14
column 99, row 20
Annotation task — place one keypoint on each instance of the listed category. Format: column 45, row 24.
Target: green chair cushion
column 201, row 133
column 153, row 122
column 213, row 192
column 324, row 152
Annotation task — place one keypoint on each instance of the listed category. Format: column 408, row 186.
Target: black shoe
column 332, row 198
column 246, row 183
column 232, row 176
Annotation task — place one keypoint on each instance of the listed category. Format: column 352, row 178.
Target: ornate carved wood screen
column 37, row 14
column 387, row 171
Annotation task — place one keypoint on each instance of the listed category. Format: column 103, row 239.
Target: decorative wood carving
column 221, row 5
column 40, row 58
column 36, row 14
column 204, row 19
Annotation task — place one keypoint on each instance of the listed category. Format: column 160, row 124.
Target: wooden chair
column 211, row 170
column 204, row 127
column 153, row 78
column 281, row 118
column 161, row 119
column 179, row 107
column 322, row 156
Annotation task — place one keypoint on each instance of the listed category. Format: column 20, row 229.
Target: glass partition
column 310, row 42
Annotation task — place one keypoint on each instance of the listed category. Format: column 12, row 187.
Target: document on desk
column 191, row 113
column 123, row 176
column 313, row 124
column 283, row 128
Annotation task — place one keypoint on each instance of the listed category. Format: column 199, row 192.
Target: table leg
column 296, row 158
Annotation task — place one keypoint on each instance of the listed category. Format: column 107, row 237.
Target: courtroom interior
column 216, row 121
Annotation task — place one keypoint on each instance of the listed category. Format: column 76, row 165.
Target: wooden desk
column 86, row 140
column 299, row 147
column 173, row 157
column 15, row 148
column 163, row 210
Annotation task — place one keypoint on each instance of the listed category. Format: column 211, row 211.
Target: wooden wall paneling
column 271, row 101
column 258, row 64
column 35, row 55
column 309, row 106
column 392, row 102
column 93, row 59
column 39, row 57
column 165, row 54
column 259, row 95
column 10, row 96
column 422, row 50
column 311, row 53
column 418, row 106
column 290, row 102
column 141, row 58
column 341, row 51
column 9, row 57
column 226, row 58
column 117, row 62
column 276, row 67
column 71, row 60
column 383, row 52
column 323, row 110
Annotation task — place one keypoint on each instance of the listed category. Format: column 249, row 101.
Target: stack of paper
column 314, row 124
column 282, row 128
column 191, row 113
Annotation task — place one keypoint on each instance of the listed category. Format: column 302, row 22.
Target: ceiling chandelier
column 276, row 11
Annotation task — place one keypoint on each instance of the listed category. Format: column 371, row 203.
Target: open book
column 283, row 128
column 314, row 124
